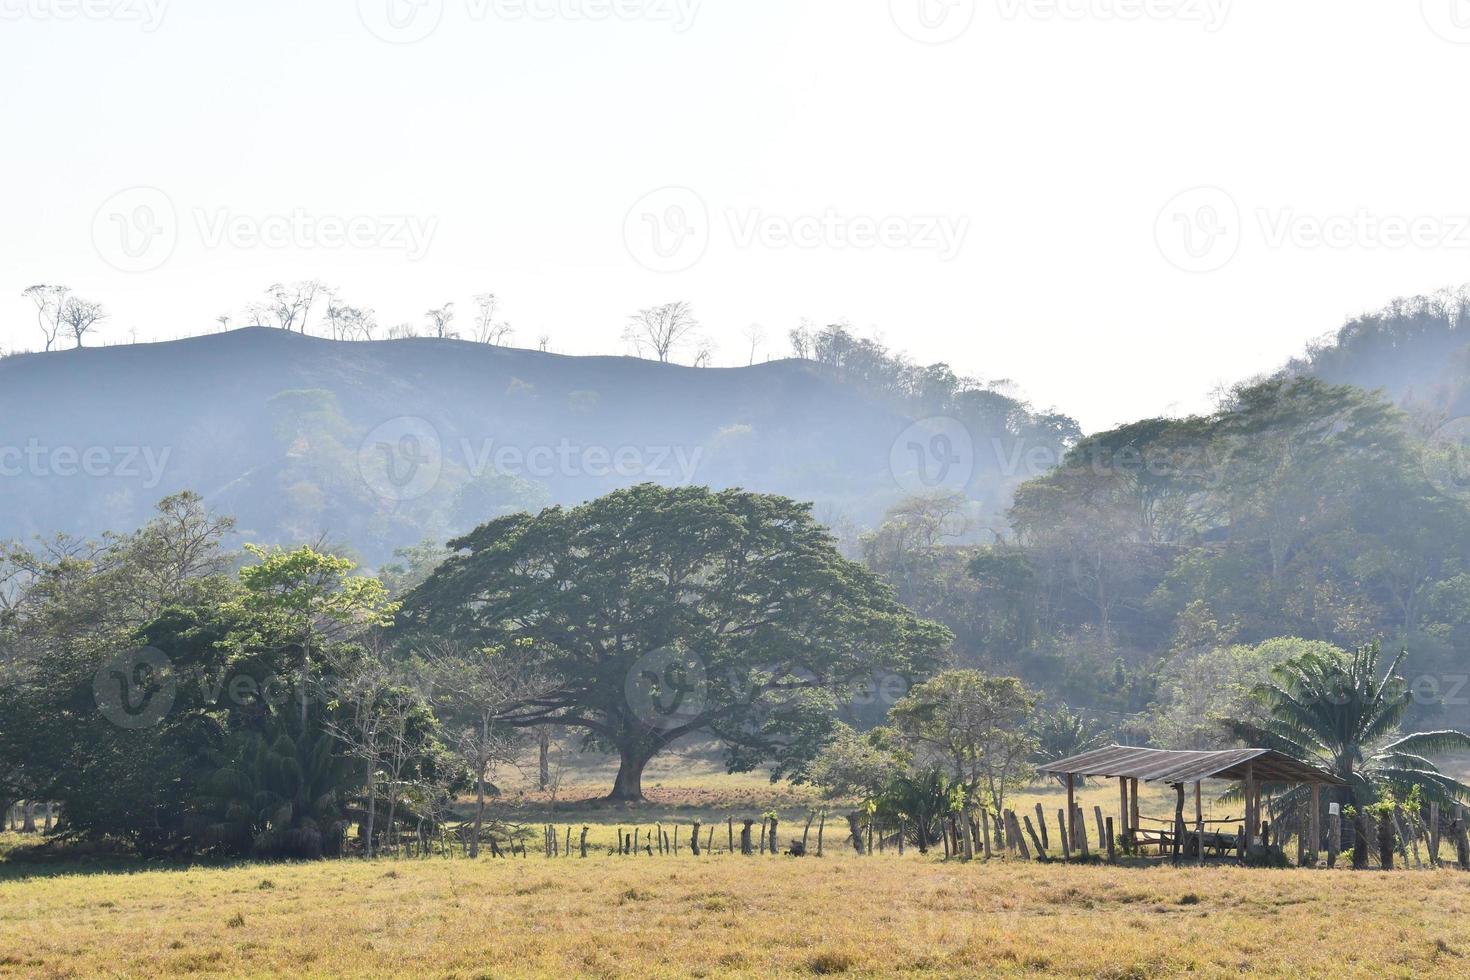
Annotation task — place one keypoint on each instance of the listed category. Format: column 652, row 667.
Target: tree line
column 180, row 698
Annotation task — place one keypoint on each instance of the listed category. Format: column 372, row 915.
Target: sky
column 1118, row 205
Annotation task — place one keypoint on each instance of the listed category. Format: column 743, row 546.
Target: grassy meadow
column 721, row 915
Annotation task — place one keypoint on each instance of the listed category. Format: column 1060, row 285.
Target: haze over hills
column 380, row 445
column 1417, row 350
column 376, row 446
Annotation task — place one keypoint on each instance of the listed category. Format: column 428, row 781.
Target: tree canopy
column 663, row 612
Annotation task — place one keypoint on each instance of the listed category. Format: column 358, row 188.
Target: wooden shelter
column 1131, row 765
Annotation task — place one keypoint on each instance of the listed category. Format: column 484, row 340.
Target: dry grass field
column 733, row 916
column 724, row 915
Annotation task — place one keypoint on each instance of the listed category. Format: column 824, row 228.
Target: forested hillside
column 1160, row 572
column 1417, row 350
column 381, row 445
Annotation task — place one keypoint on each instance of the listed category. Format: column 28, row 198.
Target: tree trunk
column 28, row 821
column 372, row 811
column 479, row 813
column 628, row 787
column 545, row 758
column 1385, row 841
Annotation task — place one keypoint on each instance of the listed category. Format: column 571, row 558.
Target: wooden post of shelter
column 1315, row 823
column 1250, row 806
column 1069, row 829
column 1178, row 821
column 1133, row 822
column 1123, row 804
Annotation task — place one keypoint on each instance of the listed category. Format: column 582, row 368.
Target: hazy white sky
column 1118, row 204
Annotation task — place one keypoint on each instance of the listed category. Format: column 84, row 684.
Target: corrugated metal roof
column 1170, row 766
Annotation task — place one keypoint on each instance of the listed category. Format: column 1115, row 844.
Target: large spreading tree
column 658, row 613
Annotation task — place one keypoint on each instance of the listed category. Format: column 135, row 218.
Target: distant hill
column 381, row 445
column 1417, row 350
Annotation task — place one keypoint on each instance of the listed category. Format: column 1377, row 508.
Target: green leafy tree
column 306, row 597
column 1063, row 733
column 1199, row 689
column 857, row 765
column 979, row 727
column 659, row 613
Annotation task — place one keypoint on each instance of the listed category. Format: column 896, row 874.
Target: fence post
column 1040, row 844
column 1334, row 833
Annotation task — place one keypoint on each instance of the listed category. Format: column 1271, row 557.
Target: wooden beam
column 1199, row 802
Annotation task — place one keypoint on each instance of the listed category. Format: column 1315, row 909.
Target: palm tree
column 1343, row 711
column 274, row 795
